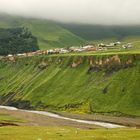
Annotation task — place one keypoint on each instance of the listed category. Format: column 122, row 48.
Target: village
column 73, row 49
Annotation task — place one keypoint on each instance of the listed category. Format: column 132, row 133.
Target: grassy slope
column 53, row 35
column 62, row 87
column 68, row 133
column 49, row 34
column 101, row 32
column 7, row 117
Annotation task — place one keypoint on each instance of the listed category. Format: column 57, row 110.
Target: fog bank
column 80, row 11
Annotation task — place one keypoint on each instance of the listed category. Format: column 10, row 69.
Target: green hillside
column 102, row 32
column 52, row 34
column 102, row 83
column 49, row 34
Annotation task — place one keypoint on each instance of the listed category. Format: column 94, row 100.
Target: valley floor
column 21, row 118
column 66, row 133
column 19, row 125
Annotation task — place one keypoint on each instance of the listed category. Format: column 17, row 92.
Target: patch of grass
column 67, row 133
column 9, row 118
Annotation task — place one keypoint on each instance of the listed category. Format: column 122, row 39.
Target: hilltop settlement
column 73, row 49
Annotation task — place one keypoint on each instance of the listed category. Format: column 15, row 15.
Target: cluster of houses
column 73, row 49
column 111, row 45
column 58, row 51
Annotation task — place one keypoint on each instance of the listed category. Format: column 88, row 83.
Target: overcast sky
column 85, row 11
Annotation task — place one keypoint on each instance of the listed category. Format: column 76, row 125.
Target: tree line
column 17, row 40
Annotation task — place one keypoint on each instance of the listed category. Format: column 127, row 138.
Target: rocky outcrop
column 77, row 62
column 110, row 64
column 42, row 65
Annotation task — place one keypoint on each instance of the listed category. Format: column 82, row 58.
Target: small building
column 127, row 46
column 118, row 43
column 10, row 55
column 88, row 46
column 64, row 51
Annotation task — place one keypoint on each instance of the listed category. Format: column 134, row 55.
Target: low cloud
column 83, row 11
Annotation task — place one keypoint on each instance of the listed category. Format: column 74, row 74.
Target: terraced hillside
column 77, row 83
column 49, row 34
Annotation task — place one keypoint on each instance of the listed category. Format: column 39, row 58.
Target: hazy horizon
column 103, row 12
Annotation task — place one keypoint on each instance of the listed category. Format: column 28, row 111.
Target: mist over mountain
column 108, row 12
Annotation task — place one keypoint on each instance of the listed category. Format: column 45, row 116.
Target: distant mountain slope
column 49, row 34
column 52, row 34
column 101, row 32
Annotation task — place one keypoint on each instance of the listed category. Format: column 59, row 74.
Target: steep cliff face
column 105, row 83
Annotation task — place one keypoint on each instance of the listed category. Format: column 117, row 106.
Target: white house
column 88, row 46
column 129, row 45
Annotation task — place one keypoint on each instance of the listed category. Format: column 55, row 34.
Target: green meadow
column 67, row 133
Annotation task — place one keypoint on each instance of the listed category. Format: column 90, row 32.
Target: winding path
column 99, row 123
